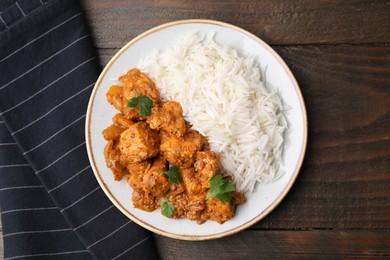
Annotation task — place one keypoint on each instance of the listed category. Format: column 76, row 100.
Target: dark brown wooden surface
column 339, row 52
column 251, row 244
column 278, row 22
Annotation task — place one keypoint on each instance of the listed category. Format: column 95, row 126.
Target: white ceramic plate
column 259, row 203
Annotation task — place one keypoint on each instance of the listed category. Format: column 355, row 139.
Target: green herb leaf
column 167, row 209
column 220, row 189
column 173, row 175
column 133, row 102
column 145, row 104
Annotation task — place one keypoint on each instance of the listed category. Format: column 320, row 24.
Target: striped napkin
column 51, row 204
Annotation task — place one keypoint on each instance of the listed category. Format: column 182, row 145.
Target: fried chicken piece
column 113, row 132
column 144, row 201
column 190, row 181
column 121, row 121
column 135, row 84
column 238, row 198
column 119, row 124
column 181, row 151
column 138, row 143
column 112, row 157
column 135, row 181
column 196, row 138
column 176, row 189
column 154, row 181
column 196, row 207
column 150, row 180
column 196, row 195
column 206, row 165
column 169, row 118
column 114, row 96
column 180, row 201
column 139, row 167
column 218, row 211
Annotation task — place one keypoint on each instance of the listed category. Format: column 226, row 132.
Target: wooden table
column 339, row 52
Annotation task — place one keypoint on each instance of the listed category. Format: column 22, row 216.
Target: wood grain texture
column 278, row 22
column 345, row 179
column 339, row 52
column 318, row 244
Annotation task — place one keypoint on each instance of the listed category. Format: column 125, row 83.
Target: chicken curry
column 166, row 162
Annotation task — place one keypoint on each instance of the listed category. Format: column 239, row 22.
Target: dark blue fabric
column 51, row 204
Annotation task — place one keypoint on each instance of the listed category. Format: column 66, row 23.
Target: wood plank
column 345, row 179
column 280, row 22
column 316, row 244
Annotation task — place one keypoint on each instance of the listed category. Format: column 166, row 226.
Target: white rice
column 224, row 98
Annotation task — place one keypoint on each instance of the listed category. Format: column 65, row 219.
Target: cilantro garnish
column 145, row 104
column 173, row 175
column 133, row 102
column 167, row 209
column 220, row 189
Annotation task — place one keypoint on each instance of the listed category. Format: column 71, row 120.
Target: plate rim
column 234, row 230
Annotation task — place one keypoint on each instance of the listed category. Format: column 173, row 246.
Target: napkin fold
column 51, row 204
